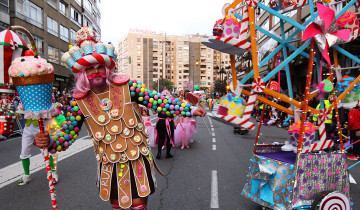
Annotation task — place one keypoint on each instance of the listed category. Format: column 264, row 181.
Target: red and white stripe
column 92, row 59
column 9, row 53
column 258, row 85
column 245, row 120
column 251, row 3
column 324, row 114
column 323, row 143
column 50, row 179
column 241, row 43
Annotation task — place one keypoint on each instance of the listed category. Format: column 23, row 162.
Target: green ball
column 130, row 82
column 141, row 94
column 132, row 94
column 60, row 134
column 72, row 118
column 76, row 108
column 154, row 92
column 67, row 118
column 67, row 131
column 58, row 148
column 139, row 86
column 72, row 140
column 54, row 137
column 72, row 133
column 151, row 95
column 146, row 90
column 168, row 113
column 164, row 109
column 75, row 136
column 155, row 103
column 159, row 101
column 71, row 127
column 78, row 118
column 153, row 110
column 183, row 113
column 167, row 97
column 178, row 103
column 186, row 109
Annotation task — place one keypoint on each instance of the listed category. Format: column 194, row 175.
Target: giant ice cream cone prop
column 33, row 78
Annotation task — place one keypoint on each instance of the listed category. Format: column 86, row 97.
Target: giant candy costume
column 113, row 119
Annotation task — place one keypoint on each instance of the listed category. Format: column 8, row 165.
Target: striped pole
column 48, row 170
column 28, row 34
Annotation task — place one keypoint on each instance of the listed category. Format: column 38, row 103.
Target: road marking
column 12, row 173
column 212, row 129
column 214, row 147
column 213, row 134
column 211, row 125
column 209, row 120
column 214, row 190
column 214, row 140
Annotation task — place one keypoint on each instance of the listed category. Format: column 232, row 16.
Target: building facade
column 4, row 15
column 53, row 24
column 180, row 59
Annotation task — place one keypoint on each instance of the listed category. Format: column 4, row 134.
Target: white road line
column 214, row 147
column 211, row 125
column 214, row 203
column 12, row 173
column 213, row 134
column 209, row 120
column 214, row 140
column 212, row 129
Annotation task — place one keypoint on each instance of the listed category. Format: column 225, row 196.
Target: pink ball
column 79, row 112
column 132, row 88
column 134, row 81
column 66, row 144
column 54, row 145
column 177, row 112
column 138, row 90
column 156, row 97
column 149, row 105
column 76, row 129
column 173, row 102
column 172, row 107
column 146, row 93
column 172, row 99
column 68, row 123
column 162, row 97
column 60, row 140
column 52, row 151
column 162, row 105
column 70, row 136
column 162, row 112
column 181, row 108
column 146, row 98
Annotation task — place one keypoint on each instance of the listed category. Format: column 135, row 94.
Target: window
column 4, row 6
column 265, row 26
column 53, row 54
column 139, row 69
column 52, row 26
column 138, row 52
column 186, row 48
column 138, row 76
column 186, row 42
column 64, row 33
column 138, row 39
column 62, row 63
column 180, row 48
column 138, row 58
column 52, row 3
column 138, row 46
column 78, row 2
column 72, row 35
column 87, row 5
column 138, row 64
column 87, row 22
column 29, row 12
column 63, row 8
column 75, row 16
column 185, row 54
column 39, row 42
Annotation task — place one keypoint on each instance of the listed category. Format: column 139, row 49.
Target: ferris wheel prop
column 326, row 28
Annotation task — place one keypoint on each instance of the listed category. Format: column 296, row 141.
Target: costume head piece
column 88, row 52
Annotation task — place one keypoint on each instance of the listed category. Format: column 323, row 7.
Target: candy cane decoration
column 251, row 3
column 324, row 114
column 335, row 201
column 28, row 34
column 323, row 143
column 245, row 120
column 258, row 85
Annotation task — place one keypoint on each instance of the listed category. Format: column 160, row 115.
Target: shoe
column 55, row 177
column 288, row 147
column 353, row 157
column 158, row 156
column 168, row 155
column 24, row 180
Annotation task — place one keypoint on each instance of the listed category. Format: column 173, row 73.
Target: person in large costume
column 113, row 120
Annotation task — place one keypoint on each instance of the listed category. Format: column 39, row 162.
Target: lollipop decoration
column 33, row 78
column 105, row 104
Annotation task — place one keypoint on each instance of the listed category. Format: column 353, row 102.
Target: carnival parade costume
column 114, row 122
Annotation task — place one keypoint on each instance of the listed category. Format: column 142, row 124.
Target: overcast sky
column 169, row 16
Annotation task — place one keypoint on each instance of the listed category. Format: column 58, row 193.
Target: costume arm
column 157, row 102
column 351, row 120
column 69, row 128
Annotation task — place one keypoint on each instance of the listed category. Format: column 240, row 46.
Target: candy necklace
column 105, row 103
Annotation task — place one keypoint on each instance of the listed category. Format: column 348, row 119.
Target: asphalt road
column 218, row 159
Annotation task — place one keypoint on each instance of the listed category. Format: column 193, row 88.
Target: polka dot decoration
column 272, row 185
column 321, row 172
column 67, row 134
column 157, row 102
column 36, row 97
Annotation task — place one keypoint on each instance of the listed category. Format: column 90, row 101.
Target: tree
column 188, row 85
column 220, row 86
column 164, row 84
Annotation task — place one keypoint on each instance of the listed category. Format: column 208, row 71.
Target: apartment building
column 150, row 57
column 4, row 14
column 53, row 24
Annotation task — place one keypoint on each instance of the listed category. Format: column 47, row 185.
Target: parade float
column 302, row 173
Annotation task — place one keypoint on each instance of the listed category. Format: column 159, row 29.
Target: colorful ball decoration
column 328, row 85
column 67, row 134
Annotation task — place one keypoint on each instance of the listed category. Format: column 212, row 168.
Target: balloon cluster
column 70, row 127
column 157, row 102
